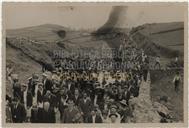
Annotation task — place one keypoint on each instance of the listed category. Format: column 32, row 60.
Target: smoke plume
column 115, row 20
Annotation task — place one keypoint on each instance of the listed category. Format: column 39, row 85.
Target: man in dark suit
column 94, row 118
column 47, row 82
column 126, row 94
column 70, row 113
column 76, row 97
column 51, row 98
column 85, row 105
column 32, row 83
column 18, row 111
column 48, row 114
column 34, row 114
column 40, row 93
column 70, row 86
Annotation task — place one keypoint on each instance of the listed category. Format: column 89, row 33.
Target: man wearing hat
column 113, row 118
column 126, row 94
column 94, row 117
column 47, row 82
column 18, row 111
column 124, row 111
column 113, row 110
column 70, row 112
column 32, row 83
column 85, row 105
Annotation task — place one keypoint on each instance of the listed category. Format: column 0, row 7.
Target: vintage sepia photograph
column 86, row 63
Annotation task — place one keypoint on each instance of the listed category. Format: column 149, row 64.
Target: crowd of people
column 65, row 95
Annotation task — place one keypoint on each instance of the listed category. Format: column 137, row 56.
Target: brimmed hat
column 112, row 114
column 123, row 102
column 114, row 106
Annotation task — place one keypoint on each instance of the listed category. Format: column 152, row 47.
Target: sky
column 19, row 15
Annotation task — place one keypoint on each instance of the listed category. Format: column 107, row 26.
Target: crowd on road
column 89, row 95
column 77, row 96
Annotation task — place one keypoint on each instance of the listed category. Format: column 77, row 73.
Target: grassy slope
column 166, row 34
column 161, row 85
column 23, row 66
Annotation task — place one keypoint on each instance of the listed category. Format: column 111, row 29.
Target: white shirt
column 25, row 99
column 93, row 118
column 69, row 85
column 35, row 98
column 85, row 100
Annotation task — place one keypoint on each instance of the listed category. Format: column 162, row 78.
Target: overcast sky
column 93, row 16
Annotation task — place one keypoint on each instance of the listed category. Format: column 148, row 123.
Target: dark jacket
column 34, row 115
column 72, row 87
column 16, row 90
column 69, row 116
column 53, row 100
column 40, row 96
column 31, row 86
column 48, row 84
column 39, row 115
column 18, row 113
column 76, row 100
column 48, row 116
column 126, row 96
column 85, row 106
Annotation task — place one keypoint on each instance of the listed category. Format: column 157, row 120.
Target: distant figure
column 176, row 81
column 143, row 57
column 46, row 67
column 176, row 62
column 157, row 63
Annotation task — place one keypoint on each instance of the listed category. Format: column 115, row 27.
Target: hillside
column 163, row 39
column 28, row 48
column 39, row 42
column 46, row 32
